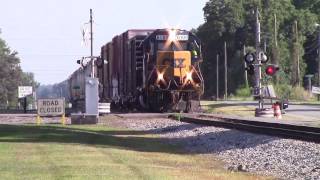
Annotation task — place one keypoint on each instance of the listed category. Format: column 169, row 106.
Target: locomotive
column 155, row 70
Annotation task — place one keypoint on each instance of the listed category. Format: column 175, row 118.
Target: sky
column 47, row 34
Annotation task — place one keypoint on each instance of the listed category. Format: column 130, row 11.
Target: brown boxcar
column 124, row 61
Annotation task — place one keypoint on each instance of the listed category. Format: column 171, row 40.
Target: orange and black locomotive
column 155, row 70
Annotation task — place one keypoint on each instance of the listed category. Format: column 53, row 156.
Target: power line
column 52, row 54
column 50, row 71
column 39, row 38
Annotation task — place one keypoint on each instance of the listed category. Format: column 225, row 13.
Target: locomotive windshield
column 179, row 46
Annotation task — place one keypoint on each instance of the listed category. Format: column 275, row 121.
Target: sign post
column 51, row 107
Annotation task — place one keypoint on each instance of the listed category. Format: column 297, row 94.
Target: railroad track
column 299, row 132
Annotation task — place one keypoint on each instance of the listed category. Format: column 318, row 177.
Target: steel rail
column 305, row 133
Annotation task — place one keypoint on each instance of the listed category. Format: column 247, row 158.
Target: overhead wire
column 52, row 54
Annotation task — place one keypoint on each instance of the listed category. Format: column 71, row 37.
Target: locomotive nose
column 174, row 71
column 174, row 63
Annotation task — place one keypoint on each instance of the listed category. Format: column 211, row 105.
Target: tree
column 224, row 19
column 234, row 22
column 11, row 76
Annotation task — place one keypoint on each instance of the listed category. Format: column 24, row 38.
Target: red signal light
column 271, row 70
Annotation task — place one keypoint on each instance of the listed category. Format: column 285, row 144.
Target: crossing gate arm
column 104, row 108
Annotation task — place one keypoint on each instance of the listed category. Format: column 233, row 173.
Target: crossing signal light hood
column 250, row 69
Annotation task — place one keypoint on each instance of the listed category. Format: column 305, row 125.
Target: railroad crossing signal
column 272, row 69
column 249, row 58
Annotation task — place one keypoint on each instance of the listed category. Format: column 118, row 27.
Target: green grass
column 248, row 111
column 218, row 107
column 99, row 152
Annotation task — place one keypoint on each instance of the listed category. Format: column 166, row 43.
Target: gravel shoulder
column 241, row 151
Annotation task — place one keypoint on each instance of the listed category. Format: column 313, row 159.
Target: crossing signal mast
column 84, row 61
column 255, row 61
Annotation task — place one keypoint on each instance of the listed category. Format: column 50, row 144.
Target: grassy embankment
column 98, row 152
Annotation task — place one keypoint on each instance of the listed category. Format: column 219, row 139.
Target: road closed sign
column 51, row 107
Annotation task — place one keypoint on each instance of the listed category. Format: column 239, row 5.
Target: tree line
column 289, row 31
column 12, row 76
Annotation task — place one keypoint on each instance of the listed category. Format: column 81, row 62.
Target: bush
column 243, row 92
column 299, row 94
column 283, row 91
column 293, row 93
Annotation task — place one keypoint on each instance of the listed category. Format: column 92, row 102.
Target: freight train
column 155, row 70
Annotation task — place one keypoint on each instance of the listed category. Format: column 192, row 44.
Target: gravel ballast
column 241, row 151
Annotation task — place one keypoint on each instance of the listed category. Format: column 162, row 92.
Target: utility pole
column 259, row 76
column 275, row 30
column 318, row 60
column 91, row 44
column 298, row 51
column 245, row 67
column 275, row 59
column 217, row 76
column 225, row 72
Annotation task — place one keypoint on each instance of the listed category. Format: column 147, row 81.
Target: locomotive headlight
column 160, row 76
column 188, row 79
column 172, row 35
column 189, row 76
column 160, row 79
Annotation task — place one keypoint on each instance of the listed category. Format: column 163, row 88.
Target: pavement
column 297, row 113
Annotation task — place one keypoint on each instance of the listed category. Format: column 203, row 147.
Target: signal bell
column 272, row 69
column 263, row 57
